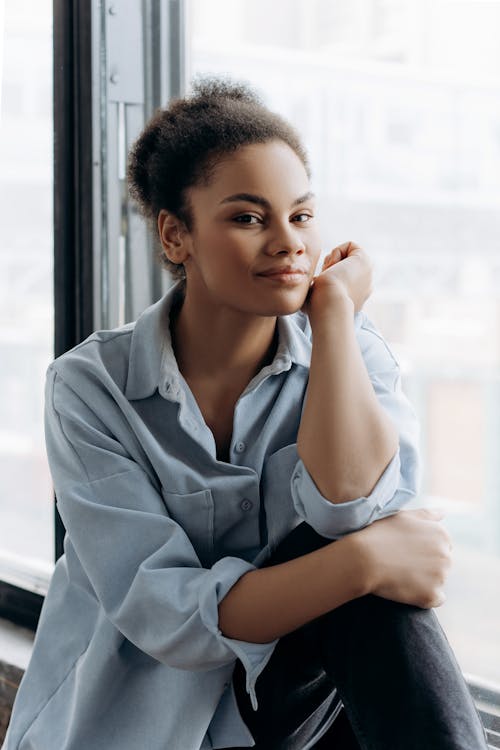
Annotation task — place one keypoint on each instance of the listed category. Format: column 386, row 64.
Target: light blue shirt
column 128, row 653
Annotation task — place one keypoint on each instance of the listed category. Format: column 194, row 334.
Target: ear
column 172, row 232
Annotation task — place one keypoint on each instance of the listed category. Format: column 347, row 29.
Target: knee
column 375, row 617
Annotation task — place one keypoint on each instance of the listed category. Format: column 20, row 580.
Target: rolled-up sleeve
column 141, row 564
column 399, row 482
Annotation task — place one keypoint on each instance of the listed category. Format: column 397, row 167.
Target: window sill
column 16, row 643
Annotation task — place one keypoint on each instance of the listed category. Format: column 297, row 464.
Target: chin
column 285, row 308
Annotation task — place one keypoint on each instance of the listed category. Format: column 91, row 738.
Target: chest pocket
column 194, row 511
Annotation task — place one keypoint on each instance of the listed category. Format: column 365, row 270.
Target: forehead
column 271, row 169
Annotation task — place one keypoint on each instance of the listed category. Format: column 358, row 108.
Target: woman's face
column 252, row 224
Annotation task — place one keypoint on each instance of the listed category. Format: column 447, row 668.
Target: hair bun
column 181, row 145
column 212, row 88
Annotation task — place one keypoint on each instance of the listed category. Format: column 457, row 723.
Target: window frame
column 72, row 213
column 77, row 285
column 88, row 189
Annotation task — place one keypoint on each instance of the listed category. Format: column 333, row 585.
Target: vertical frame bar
column 73, row 282
column 73, row 263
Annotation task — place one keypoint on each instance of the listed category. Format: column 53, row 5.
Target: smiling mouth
column 285, row 277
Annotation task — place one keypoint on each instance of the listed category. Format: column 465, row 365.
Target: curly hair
column 182, row 143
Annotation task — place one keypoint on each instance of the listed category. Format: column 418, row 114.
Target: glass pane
column 399, row 105
column 26, row 304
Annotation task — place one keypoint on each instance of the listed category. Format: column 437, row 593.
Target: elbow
column 363, row 485
column 336, row 493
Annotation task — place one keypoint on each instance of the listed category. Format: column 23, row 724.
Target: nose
column 286, row 239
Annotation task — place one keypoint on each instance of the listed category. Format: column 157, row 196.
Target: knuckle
column 446, row 562
column 442, row 578
column 441, row 599
column 436, row 599
column 444, row 553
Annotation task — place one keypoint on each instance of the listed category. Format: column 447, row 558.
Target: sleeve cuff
column 335, row 520
column 254, row 656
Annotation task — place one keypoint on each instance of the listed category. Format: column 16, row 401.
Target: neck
column 217, row 343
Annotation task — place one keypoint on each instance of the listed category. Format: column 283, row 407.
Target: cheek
column 222, row 262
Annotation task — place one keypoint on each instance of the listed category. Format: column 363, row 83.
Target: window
column 26, row 298
column 400, row 108
column 399, row 103
column 73, row 246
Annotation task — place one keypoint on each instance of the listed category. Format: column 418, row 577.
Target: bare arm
column 269, row 602
column 345, row 439
column 404, row 557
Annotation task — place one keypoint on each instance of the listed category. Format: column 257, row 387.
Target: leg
column 394, row 671
column 398, row 678
column 340, row 736
column 294, row 693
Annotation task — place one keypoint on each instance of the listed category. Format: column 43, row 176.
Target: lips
column 283, row 270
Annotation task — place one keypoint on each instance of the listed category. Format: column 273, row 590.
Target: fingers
column 342, row 251
column 346, row 248
column 439, row 600
column 437, row 514
column 334, row 257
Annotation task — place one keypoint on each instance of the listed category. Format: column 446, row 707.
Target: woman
column 229, row 469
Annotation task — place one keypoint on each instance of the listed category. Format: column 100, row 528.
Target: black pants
column 389, row 665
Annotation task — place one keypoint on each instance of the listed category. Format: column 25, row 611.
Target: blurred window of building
column 399, row 105
column 26, row 287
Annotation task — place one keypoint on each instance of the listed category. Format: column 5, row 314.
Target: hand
column 408, row 557
column 346, row 273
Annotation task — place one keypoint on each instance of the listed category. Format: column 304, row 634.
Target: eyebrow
column 261, row 201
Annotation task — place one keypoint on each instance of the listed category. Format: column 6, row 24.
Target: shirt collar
column 152, row 364
column 149, row 336
column 295, row 338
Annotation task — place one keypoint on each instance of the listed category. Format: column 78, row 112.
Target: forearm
column 270, row 602
column 345, row 439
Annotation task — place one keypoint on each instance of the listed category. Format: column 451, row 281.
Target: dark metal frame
column 73, row 273
column 73, row 279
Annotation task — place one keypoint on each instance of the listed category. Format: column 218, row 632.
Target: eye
column 307, row 216
column 241, row 218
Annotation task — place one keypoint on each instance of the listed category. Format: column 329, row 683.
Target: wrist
column 362, row 553
column 338, row 305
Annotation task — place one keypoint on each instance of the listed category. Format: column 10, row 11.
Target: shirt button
column 240, row 446
column 246, row 504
